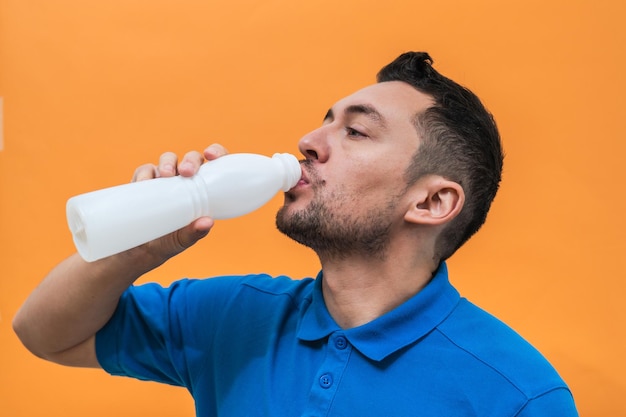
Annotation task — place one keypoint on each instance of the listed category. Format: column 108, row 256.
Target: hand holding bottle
column 115, row 219
column 169, row 166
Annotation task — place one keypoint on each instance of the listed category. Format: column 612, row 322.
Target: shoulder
column 219, row 292
column 494, row 345
column 262, row 282
column 257, row 284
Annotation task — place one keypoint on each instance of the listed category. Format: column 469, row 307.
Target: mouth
column 302, row 183
column 304, row 179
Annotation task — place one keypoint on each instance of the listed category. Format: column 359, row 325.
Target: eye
column 354, row 133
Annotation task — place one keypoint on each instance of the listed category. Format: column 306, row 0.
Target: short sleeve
column 156, row 332
column 558, row 402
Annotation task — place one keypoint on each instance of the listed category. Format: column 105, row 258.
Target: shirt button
column 341, row 343
column 326, row 381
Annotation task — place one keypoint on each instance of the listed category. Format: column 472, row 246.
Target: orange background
column 93, row 89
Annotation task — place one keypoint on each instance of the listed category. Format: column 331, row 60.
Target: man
column 397, row 178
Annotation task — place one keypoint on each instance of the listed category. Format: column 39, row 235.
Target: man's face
column 352, row 193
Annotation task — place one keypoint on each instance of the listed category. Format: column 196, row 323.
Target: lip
column 304, row 179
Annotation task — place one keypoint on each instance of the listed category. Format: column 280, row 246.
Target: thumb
column 188, row 236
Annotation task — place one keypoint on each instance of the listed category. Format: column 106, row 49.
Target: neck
column 358, row 289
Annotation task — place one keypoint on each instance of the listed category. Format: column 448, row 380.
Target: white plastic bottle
column 112, row 220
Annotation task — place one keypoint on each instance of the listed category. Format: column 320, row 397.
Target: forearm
column 74, row 301
column 60, row 318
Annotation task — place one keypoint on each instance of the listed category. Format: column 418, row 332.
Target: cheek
column 362, row 192
column 366, row 179
column 380, row 181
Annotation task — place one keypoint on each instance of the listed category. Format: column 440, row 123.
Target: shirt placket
column 327, row 379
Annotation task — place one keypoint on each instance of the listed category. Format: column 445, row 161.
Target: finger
column 167, row 164
column 214, row 151
column 190, row 163
column 145, row 172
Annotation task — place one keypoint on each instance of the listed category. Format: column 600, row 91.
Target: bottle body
column 111, row 220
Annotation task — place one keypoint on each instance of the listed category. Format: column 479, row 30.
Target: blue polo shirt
column 261, row 346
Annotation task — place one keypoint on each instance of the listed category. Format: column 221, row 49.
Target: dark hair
column 460, row 141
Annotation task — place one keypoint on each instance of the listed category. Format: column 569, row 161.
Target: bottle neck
column 291, row 167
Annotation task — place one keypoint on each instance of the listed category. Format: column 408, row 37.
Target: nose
column 315, row 145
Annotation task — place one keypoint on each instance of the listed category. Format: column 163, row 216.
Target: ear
column 434, row 201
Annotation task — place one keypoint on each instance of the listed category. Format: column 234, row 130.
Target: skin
column 354, row 168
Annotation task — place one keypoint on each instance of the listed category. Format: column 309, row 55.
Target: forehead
column 392, row 99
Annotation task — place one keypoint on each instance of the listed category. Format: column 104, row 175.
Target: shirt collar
column 392, row 331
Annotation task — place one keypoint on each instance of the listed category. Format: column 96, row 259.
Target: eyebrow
column 369, row 111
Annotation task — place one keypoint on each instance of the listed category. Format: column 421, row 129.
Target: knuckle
column 146, row 171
